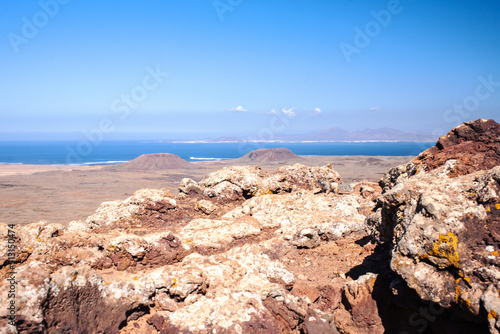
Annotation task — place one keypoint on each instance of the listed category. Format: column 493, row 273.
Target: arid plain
column 60, row 194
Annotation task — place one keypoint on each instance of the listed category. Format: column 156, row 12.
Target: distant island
column 335, row 134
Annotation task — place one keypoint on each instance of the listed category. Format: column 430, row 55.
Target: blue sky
column 184, row 69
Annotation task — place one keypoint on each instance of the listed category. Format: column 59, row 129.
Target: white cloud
column 286, row 112
column 289, row 112
column 316, row 112
column 238, row 108
column 376, row 108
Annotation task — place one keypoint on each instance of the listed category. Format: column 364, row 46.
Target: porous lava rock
column 441, row 215
column 236, row 182
column 197, row 262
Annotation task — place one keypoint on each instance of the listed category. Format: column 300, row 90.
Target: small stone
column 206, row 207
column 166, row 303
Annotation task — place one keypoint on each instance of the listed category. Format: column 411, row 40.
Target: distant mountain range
column 340, row 135
column 381, row 134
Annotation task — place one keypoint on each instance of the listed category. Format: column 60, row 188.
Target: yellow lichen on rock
column 460, row 297
column 262, row 191
column 446, row 248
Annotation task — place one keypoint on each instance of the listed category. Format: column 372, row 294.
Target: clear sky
column 179, row 69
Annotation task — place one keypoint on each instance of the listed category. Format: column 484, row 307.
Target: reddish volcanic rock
column 475, row 145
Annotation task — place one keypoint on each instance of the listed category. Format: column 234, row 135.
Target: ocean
column 112, row 152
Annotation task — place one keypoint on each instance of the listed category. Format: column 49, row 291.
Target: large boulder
column 359, row 313
column 236, row 182
column 442, row 217
column 110, row 213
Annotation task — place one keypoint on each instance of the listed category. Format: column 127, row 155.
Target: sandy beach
column 60, row 194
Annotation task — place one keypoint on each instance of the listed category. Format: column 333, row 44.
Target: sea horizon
column 66, row 152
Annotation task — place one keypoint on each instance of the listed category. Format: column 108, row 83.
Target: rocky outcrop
column 236, row 182
column 241, row 251
column 470, row 147
column 363, row 316
column 442, row 219
column 474, row 145
column 187, row 186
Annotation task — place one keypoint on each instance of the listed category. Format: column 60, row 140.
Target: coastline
column 288, row 141
column 7, row 169
column 111, row 152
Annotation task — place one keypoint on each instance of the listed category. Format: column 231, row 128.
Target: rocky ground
column 246, row 250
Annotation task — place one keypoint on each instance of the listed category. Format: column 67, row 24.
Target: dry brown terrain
column 60, row 194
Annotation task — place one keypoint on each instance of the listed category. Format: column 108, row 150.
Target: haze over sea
column 109, row 152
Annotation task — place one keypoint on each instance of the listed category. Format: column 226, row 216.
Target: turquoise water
column 87, row 153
